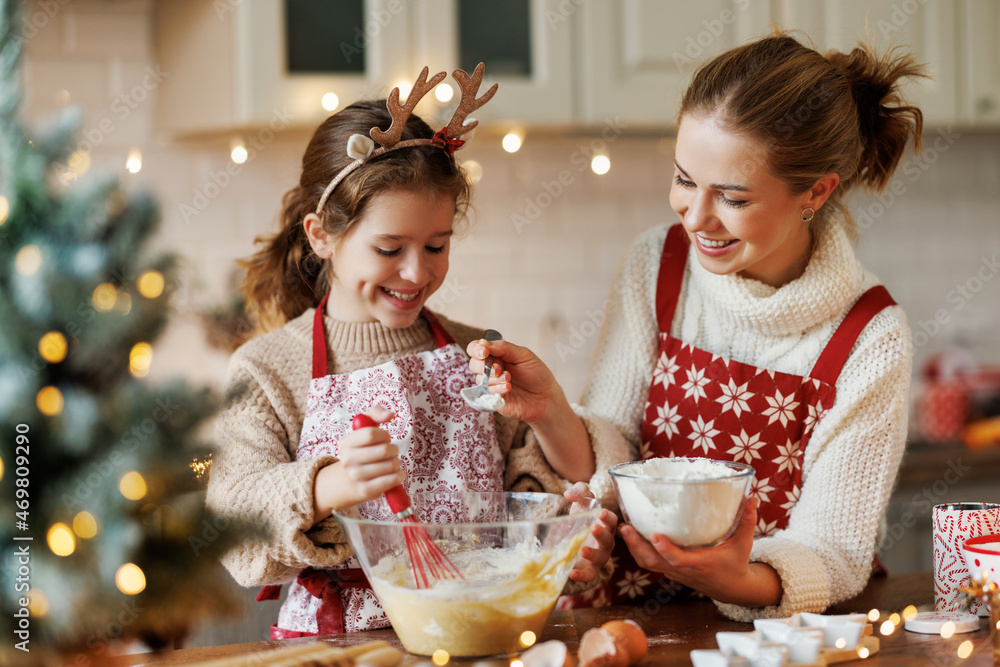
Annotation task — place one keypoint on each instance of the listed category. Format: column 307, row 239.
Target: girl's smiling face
column 391, row 260
column 739, row 217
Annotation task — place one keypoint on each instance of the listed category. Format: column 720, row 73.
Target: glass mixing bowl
column 514, row 552
column 696, row 502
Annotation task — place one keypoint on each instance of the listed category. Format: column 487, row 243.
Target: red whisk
column 427, row 562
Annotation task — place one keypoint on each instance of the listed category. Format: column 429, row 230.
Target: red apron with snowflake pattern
column 705, row 405
column 444, row 445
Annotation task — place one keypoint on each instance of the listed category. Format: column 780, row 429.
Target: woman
column 751, row 332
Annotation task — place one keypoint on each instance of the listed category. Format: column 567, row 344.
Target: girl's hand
column 527, row 385
column 722, row 572
column 368, row 466
column 596, row 550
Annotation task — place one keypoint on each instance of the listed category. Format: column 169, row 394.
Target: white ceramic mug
column 953, row 524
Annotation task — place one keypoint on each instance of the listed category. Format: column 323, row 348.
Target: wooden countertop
column 674, row 630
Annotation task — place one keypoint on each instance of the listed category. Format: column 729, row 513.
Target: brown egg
column 630, row 638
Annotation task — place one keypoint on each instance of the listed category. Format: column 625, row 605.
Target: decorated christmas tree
column 104, row 534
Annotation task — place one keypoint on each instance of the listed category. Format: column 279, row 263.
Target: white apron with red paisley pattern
column 444, row 445
column 703, row 404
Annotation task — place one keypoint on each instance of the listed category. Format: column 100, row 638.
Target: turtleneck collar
column 831, row 282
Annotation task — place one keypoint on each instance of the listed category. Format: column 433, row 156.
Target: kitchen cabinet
column 980, row 62
column 636, row 57
column 228, row 61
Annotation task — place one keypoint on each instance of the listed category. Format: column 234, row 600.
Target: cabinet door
column 263, row 78
column 535, row 71
column 637, row 56
column 926, row 27
column 981, row 62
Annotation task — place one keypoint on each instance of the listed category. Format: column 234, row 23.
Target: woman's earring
column 807, row 214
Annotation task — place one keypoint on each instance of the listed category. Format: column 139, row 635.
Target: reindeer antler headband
column 362, row 148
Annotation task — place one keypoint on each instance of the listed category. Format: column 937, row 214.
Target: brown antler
column 399, row 112
column 469, row 103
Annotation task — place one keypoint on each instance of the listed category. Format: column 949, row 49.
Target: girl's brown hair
column 813, row 114
column 285, row 278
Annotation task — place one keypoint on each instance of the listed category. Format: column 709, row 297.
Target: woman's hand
column 368, row 466
column 532, row 395
column 723, row 572
column 525, row 382
column 596, row 550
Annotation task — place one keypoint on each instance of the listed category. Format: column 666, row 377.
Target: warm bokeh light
column 330, row 101
column 49, row 401
column 4, row 209
column 124, row 305
column 104, row 297
column 38, row 604
column 140, row 359
column 28, row 260
column 600, row 165
column 239, row 154
column 150, row 284
column 840, row 643
column 516, row 663
column 1, row 468
column 909, row 612
column 511, row 142
column 473, row 170
column 873, row 615
column 130, row 579
column 52, row 347
column 79, row 162
column 440, row 657
column 444, row 92
column 134, row 161
column 948, row 630
column 887, row 628
column 85, row 525
column 60, row 539
column 895, row 618
column 528, row 638
column 132, row 485
column 863, row 652
column 965, row 649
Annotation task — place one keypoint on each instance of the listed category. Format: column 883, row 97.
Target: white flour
column 696, row 508
column 492, row 402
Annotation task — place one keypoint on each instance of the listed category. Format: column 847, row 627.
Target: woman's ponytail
column 885, row 121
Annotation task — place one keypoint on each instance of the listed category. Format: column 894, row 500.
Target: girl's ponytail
column 885, row 122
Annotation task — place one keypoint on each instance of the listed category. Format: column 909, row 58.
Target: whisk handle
column 399, row 502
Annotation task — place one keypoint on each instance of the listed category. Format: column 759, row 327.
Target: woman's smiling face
column 739, row 217
column 392, row 259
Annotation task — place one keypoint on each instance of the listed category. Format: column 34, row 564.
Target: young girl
column 364, row 243
column 750, row 332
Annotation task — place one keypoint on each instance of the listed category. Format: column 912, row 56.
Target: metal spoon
column 479, row 396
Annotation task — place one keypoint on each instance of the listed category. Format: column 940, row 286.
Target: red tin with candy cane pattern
column 954, row 523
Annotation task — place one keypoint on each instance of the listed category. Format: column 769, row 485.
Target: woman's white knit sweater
column 254, row 472
column 825, row 554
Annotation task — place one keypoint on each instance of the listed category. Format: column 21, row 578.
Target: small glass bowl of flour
column 695, row 502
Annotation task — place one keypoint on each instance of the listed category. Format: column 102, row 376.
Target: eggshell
column 630, row 637
column 598, row 649
column 547, row 654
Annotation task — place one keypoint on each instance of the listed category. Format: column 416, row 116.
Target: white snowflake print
column 633, row 584
column 761, row 488
column 793, row 499
column 746, row 447
column 781, row 408
column 664, row 371
column 788, row 455
column 702, row 434
column 695, row 385
column 734, row 398
column 646, row 450
column 764, row 528
column 666, row 420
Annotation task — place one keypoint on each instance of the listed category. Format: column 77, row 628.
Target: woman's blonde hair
column 285, row 277
column 814, row 114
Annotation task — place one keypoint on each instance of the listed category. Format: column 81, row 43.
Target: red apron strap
column 831, row 360
column 270, row 592
column 319, row 340
column 441, row 336
column 668, row 284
